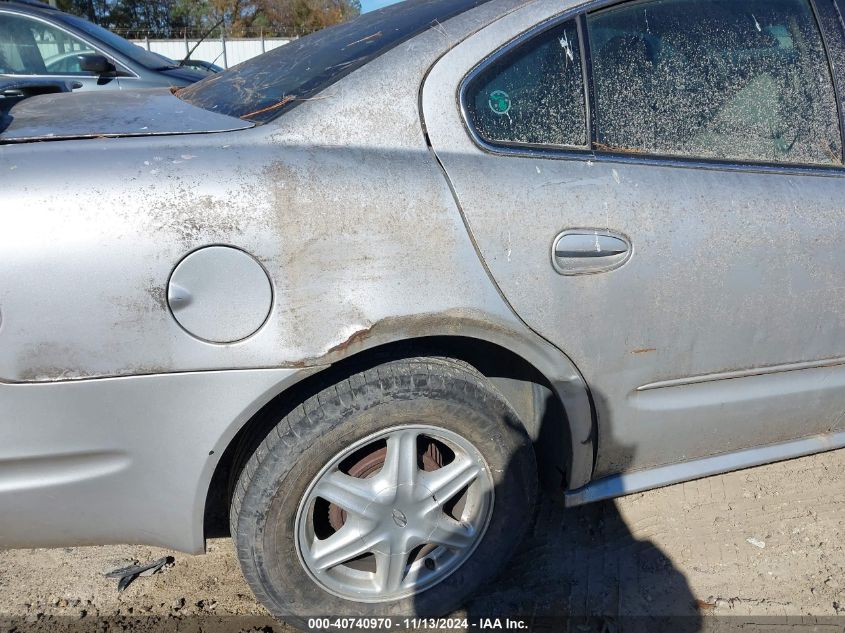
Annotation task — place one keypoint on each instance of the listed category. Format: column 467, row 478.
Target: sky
column 370, row 5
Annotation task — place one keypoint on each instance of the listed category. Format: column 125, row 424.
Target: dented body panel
column 377, row 220
column 355, row 225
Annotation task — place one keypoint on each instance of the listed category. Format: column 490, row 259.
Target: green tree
column 243, row 17
column 95, row 11
column 155, row 17
column 306, row 16
column 171, row 18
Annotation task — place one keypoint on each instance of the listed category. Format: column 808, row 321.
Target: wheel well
column 523, row 386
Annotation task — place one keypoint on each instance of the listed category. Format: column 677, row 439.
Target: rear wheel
column 396, row 492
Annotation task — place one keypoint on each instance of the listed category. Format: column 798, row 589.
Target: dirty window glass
column 533, row 95
column 714, row 79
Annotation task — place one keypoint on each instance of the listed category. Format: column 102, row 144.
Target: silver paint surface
column 732, row 268
column 120, row 460
column 220, row 294
column 330, row 199
column 348, row 209
column 111, row 113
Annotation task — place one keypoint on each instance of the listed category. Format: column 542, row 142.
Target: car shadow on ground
column 582, row 569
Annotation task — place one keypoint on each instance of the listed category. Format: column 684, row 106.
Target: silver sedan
column 362, row 295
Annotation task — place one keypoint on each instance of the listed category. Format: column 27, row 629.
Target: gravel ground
column 761, row 542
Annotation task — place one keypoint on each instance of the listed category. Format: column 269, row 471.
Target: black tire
column 432, row 390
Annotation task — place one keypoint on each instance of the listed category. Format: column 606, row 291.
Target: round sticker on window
column 500, row 102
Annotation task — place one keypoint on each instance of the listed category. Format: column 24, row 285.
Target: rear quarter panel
column 342, row 203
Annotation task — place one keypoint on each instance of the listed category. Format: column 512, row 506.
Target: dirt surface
column 761, row 542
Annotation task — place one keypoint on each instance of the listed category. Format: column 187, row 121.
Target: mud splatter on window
column 533, row 95
column 714, row 79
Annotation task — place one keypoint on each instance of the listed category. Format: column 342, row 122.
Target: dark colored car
column 202, row 66
column 15, row 89
column 43, row 43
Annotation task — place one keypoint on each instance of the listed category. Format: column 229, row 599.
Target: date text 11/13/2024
column 418, row 624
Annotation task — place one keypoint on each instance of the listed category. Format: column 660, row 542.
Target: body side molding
column 639, row 481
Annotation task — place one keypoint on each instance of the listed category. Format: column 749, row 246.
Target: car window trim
column 99, row 49
column 560, row 152
column 832, row 31
column 587, row 56
column 525, row 37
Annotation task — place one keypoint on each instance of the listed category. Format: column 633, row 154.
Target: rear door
column 657, row 188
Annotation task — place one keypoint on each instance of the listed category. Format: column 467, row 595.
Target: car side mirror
column 95, row 63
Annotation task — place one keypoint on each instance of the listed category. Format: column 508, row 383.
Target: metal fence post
column 225, row 54
column 263, row 46
column 147, row 40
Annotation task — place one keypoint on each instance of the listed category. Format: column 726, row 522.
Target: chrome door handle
column 583, row 251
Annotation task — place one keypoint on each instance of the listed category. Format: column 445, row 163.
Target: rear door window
column 533, row 95
column 714, row 79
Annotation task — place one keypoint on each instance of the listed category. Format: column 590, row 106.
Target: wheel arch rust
column 542, row 384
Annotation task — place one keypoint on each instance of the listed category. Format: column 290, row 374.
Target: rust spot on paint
column 358, row 336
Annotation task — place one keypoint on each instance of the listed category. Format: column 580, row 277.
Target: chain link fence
column 195, row 34
column 218, row 48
